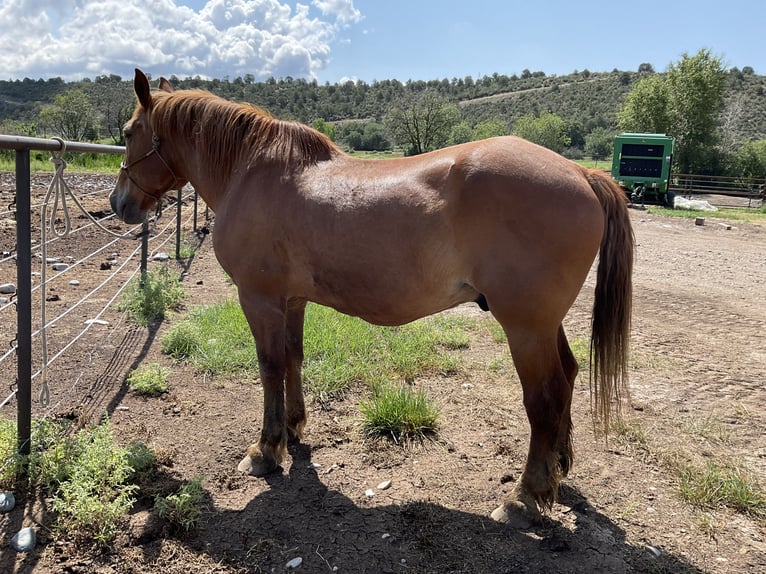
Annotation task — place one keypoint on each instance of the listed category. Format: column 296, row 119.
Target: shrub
column 147, row 300
column 149, row 380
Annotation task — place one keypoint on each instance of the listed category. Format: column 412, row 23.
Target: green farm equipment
column 641, row 166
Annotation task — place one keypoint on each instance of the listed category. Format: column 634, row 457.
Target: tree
column 422, row 122
column 685, row 103
column 547, row 130
column 750, row 160
column 113, row 103
column 326, row 128
column 489, row 129
column 71, row 115
column 599, row 143
column 646, row 107
column 696, row 86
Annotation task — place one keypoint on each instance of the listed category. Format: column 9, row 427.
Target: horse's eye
column 127, row 135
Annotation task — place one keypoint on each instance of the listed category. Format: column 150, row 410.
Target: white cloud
column 85, row 38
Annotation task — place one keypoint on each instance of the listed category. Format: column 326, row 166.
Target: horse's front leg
column 295, row 406
column 267, row 319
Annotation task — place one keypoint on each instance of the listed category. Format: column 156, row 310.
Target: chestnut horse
column 501, row 222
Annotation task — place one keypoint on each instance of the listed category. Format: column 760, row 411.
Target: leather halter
column 155, row 150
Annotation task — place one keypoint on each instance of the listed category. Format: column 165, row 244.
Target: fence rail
column 21, row 208
column 751, row 189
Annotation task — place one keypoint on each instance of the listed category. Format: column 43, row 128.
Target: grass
column 339, row 350
column 721, row 484
column 76, row 162
column 148, row 299
column 743, row 215
column 398, row 412
column 149, row 380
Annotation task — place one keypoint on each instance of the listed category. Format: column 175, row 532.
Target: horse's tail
column 613, row 301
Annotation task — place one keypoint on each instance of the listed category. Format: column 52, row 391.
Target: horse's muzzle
column 123, row 207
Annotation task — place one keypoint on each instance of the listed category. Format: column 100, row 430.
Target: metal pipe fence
column 21, row 209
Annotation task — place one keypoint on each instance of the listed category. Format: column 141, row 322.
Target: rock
column 60, row 266
column 294, row 563
column 24, row 540
column 3, row 300
column 96, row 322
column 161, row 256
column 74, row 283
column 50, row 260
column 8, row 289
column 653, row 551
column 369, row 493
column 7, row 501
column 699, row 221
column 385, row 485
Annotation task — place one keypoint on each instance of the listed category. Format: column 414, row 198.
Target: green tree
column 460, row 133
column 547, row 130
column 489, row 129
column 422, row 121
column 750, row 160
column 599, row 143
column 70, row 116
column 326, row 128
column 685, row 103
column 646, row 107
column 113, row 103
column 696, row 85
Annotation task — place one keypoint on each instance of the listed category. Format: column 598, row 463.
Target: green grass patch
column 729, row 214
column 147, row 300
column 719, row 484
column 149, row 380
column 39, row 161
column 398, row 412
column 339, row 350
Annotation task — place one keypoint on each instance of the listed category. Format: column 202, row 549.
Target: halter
column 155, row 150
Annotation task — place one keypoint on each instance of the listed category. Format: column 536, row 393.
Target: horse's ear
column 143, row 91
column 165, row 85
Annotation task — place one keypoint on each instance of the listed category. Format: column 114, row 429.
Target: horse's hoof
column 255, row 467
column 516, row 515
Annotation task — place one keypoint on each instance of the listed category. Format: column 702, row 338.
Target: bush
column 149, row 380
column 147, row 300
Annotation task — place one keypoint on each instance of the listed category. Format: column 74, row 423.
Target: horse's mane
column 232, row 133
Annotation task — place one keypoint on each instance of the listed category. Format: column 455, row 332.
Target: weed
column 92, row 491
column 8, row 458
column 148, row 299
column 149, row 380
column 722, row 484
column 398, row 412
column 184, row 508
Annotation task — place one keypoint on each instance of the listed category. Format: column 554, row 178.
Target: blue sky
column 335, row 40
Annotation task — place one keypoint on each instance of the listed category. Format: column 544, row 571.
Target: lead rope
column 59, row 188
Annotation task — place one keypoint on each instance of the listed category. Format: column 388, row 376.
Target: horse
column 502, row 222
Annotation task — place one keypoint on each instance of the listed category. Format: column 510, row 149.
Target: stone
column 7, row 501
column 74, row 283
column 385, row 485
column 294, row 563
column 24, row 540
column 60, row 266
column 161, row 256
column 8, row 289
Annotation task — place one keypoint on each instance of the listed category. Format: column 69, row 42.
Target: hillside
column 592, row 99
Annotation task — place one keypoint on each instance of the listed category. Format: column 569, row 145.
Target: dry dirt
column 697, row 394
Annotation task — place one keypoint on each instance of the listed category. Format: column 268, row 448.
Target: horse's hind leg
column 294, row 405
column 547, row 396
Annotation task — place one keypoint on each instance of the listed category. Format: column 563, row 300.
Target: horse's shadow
column 298, row 516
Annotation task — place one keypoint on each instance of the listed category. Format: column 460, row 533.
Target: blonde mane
column 232, row 133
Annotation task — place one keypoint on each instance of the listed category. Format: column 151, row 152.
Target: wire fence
column 74, row 265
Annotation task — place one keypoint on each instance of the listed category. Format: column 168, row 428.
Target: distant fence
column 21, row 209
column 750, row 190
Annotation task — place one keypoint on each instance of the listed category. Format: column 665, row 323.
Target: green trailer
column 641, row 165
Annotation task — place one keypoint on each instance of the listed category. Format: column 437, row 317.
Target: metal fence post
column 144, row 250
column 178, row 225
column 24, row 305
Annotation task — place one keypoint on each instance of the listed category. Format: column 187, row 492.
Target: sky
column 339, row 40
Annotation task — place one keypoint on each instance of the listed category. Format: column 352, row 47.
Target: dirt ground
column 697, row 393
